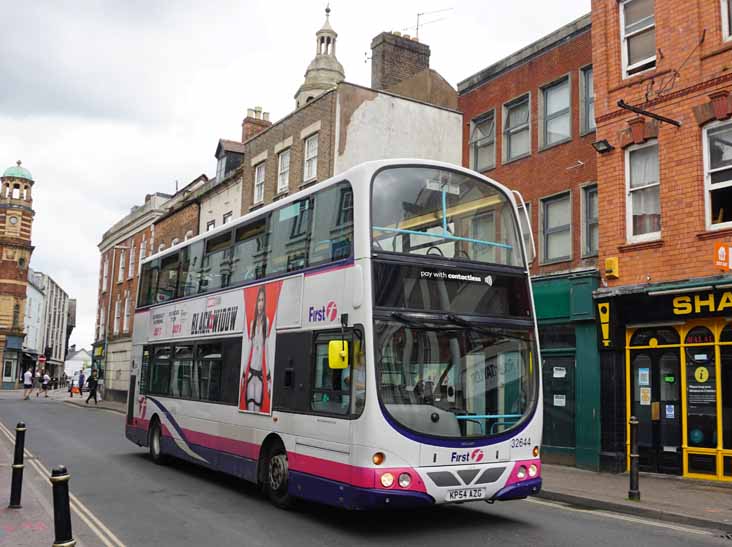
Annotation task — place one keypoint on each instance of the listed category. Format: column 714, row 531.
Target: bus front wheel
column 277, row 478
column 156, row 454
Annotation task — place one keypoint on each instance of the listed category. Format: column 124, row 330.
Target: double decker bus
column 369, row 342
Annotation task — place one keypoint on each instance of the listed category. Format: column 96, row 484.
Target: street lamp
column 106, row 326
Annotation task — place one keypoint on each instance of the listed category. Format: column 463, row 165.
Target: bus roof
column 368, row 166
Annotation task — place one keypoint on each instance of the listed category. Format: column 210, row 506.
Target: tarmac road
column 143, row 504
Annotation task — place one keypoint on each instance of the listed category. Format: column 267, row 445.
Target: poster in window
column 645, row 396
column 260, row 315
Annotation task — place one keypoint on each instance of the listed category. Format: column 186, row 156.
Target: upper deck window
column 638, row 32
column 445, row 214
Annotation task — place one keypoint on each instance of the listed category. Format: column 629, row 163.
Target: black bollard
column 61, row 510
column 16, row 484
column 634, row 492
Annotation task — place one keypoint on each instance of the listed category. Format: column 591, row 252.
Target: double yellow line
column 106, row 536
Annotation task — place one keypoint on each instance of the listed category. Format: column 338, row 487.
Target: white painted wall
column 34, row 316
column 391, row 127
column 219, row 202
column 76, row 362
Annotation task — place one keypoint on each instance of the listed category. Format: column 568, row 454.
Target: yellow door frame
column 716, row 326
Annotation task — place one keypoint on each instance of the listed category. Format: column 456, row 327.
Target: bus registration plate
column 466, row 494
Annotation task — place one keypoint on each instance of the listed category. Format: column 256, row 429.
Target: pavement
column 668, row 498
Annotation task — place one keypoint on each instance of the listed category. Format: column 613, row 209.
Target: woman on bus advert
column 260, row 303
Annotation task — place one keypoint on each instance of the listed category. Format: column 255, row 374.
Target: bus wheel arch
column 154, row 435
column 272, row 471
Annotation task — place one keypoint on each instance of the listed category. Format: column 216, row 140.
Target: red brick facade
column 177, row 225
column 688, row 73
column 546, row 171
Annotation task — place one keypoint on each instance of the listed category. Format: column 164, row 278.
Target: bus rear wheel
column 156, row 453
column 277, row 478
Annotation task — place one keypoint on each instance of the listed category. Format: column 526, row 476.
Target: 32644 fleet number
column 521, row 442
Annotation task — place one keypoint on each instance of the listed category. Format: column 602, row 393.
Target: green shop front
column 571, row 368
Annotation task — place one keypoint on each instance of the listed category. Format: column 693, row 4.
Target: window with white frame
column 131, row 262
column 143, row 251
column 115, row 327
column 588, row 100
column 121, row 268
column 517, row 133
column 483, row 142
column 105, row 274
column 221, row 167
column 524, row 220
column 126, row 320
column 643, row 208
column 227, row 217
column 726, row 19
column 718, row 174
column 310, row 167
column 102, row 322
column 259, row 183
column 638, row 33
column 210, row 225
column 557, row 114
column 283, row 171
column 590, row 225
column 557, row 228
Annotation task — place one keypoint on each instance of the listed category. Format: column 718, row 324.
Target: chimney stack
column 396, row 57
column 255, row 122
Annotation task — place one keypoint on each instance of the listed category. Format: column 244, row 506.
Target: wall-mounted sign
column 723, row 256
column 560, row 400
column 701, row 390
column 605, row 330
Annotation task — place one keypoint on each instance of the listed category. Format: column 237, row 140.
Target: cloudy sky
column 105, row 101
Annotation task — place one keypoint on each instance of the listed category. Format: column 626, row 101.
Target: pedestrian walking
column 38, row 382
column 45, row 382
column 92, row 381
column 27, row 383
column 82, row 379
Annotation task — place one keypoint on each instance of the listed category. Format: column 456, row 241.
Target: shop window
column 557, row 336
column 727, row 464
column 699, row 335
column 725, row 391
column 701, row 393
column 726, row 334
column 664, row 336
column 704, row 464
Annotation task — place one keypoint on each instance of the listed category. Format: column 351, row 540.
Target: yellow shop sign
column 700, row 303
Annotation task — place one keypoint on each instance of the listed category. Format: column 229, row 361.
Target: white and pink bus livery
column 369, row 342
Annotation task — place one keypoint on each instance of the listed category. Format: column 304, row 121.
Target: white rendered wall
column 219, row 202
column 387, row 127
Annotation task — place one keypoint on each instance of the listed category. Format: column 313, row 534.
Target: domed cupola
column 324, row 72
column 18, row 172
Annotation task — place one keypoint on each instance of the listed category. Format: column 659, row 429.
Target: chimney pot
column 406, row 36
column 265, row 116
column 250, row 112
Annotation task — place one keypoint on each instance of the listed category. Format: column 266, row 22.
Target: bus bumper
column 519, row 490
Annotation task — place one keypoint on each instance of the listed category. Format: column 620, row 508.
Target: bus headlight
column 378, row 458
column 520, row 474
column 387, row 480
column 405, row 479
column 533, row 470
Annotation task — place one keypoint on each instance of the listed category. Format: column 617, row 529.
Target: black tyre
column 156, row 453
column 276, row 480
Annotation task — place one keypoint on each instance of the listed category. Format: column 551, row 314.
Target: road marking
column 94, row 524
column 620, row 516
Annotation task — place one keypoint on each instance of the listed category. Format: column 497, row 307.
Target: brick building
column 122, row 248
column 664, row 183
column 529, row 123
column 16, row 221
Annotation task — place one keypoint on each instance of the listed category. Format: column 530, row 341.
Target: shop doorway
column 655, row 398
column 559, row 406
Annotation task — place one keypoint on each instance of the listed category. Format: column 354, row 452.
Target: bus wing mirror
column 337, row 354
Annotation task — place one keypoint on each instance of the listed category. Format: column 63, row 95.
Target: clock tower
column 16, row 219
